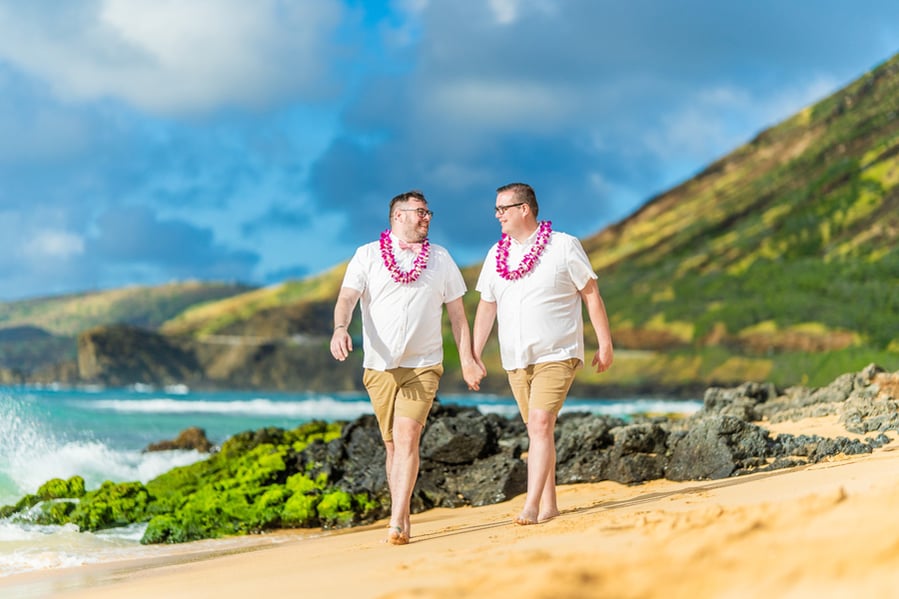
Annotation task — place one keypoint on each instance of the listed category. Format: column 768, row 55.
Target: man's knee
column 406, row 431
column 541, row 421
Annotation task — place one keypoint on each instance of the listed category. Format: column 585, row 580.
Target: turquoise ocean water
column 100, row 434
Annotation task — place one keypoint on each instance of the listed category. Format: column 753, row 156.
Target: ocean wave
column 27, row 547
column 324, row 408
column 627, row 408
column 32, row 452
column 622, row 408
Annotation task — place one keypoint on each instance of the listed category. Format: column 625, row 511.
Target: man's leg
column 382, row 389
column 540, row 503
column 388, row 461
column 543, row 390
column 402, row 475
column 549, row 505
column 417, row 388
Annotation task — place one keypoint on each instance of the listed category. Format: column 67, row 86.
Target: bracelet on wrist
column 340, row 326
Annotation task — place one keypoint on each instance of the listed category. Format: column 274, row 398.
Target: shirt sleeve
column 454, row 283
column 579, row 268
column 484, row 286
column 355, row 276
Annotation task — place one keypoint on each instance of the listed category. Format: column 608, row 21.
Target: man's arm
column 471, row 371
column 596, row 310
column 341, row 343
column 483, row 324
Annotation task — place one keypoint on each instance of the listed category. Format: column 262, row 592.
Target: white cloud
column 490, row 104
column 171, row 56
column 713, row 121
column 507, row 12
column 413, row 7
column 54, row 244
column 793, row 99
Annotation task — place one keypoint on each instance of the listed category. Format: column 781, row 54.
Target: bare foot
column 548, row 516
column 396, row 536
column 525, row 520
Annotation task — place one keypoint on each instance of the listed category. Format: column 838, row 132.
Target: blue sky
column 145, row 141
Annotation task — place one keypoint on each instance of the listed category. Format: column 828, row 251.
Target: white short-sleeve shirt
column 402, row 322
column 539, row 316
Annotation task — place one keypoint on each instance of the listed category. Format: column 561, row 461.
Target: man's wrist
column 339, row 326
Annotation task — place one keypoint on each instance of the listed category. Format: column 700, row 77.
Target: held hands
column 341, row 344
column 473, row 371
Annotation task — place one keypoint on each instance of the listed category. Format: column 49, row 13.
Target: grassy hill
column 777, row 262
column 143, row 306
column 245, row 313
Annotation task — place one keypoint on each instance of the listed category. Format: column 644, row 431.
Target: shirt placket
column 518, row 288
column 407, row 295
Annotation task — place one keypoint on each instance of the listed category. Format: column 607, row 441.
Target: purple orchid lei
column 419, row 264
column 531, row 258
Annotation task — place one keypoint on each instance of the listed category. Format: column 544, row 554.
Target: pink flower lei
column 531, row 258
column 403, row 276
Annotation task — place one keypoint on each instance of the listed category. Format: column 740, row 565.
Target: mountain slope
column 788, row 244
column 142, row 306
column 257, row 312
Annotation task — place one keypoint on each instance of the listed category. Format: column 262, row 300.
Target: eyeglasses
column 502, row 209
column 422, row 212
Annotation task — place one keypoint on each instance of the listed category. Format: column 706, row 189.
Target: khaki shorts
column 401, row 391
column 543, row 386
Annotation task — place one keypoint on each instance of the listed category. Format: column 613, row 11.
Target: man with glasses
column 533, row 282
column 403, row 282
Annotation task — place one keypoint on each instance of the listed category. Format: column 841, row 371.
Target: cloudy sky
column 144, row 141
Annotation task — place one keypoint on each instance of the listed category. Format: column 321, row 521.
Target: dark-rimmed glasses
column 422, row 212
column 502, row 209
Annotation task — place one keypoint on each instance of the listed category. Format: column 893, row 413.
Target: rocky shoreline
column 332, row 475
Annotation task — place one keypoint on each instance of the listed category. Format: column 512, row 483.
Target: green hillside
column 243, row 313
column 141, row 306
column 777, row 262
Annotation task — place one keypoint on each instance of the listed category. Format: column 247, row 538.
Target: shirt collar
column 529, row 241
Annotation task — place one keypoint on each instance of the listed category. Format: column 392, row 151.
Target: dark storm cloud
column 599, row 105
column 136, row 235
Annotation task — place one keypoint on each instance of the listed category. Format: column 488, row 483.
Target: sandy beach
column 825, row 530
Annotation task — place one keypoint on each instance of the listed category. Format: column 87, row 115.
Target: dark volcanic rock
column 190, row 438
column 715, row 447
column 468, row 458
column 639, row 453
column 582, row 441
column 458, row 439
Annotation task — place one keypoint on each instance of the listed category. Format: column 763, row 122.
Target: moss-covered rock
column 58, row 488
column 112, row 505
column 247, row 487
column 55, row 488
column 57, row 511
column 256, row 482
